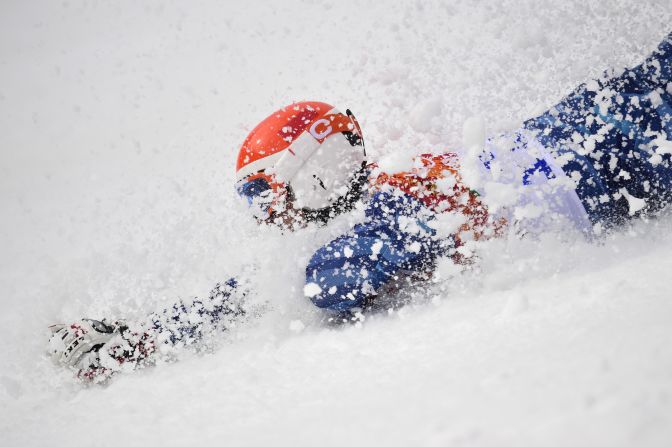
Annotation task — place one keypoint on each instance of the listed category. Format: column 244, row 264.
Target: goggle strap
column 355, row 123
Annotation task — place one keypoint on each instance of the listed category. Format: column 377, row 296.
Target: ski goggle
column 261, row 193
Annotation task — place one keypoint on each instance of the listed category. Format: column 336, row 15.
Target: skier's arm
column 99, row 349
column 187, row 323
column 395, row 238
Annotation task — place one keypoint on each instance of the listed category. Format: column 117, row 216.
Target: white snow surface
column 119, row 127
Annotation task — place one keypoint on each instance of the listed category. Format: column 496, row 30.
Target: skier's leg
column 613, row 137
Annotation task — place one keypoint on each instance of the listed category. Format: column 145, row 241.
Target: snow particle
column 311, row 289
column 296, row 326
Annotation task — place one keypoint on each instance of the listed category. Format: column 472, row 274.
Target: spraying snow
column 120, row 125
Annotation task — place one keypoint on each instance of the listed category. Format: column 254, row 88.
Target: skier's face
column 271, row 202
column 279, row 209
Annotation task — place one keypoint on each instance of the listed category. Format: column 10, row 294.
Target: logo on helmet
column 320, row 135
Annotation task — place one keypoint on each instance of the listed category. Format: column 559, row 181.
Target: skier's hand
column 98, row 349
column 70, row 342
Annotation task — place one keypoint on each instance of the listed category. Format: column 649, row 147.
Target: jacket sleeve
column 394, row 237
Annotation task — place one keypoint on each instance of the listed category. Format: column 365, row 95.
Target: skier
column 596, row 160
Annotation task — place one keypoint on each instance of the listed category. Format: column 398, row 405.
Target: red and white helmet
column 307, row 156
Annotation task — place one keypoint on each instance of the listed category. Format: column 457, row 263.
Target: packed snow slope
column 119, row 126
